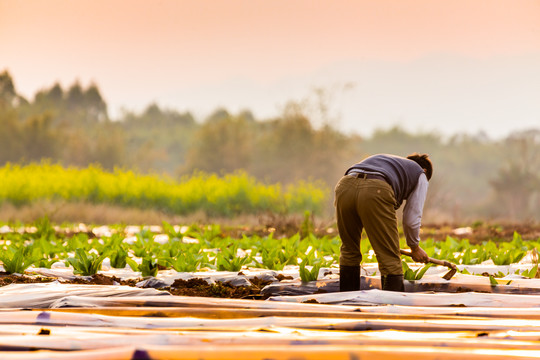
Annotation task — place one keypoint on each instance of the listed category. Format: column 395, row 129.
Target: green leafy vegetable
column 413, row 275
column 16, row 259
column 86, row 263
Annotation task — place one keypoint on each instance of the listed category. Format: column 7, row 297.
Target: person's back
column 367, row 196
column 401, row 173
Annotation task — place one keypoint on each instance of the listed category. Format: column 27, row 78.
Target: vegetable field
column 146, row 249
column 209, row 291
column 174, row 291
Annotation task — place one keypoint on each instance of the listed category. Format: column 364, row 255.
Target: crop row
column 228, row 195
column 196, row 248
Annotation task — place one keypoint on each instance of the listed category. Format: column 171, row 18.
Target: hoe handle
column 432, row 260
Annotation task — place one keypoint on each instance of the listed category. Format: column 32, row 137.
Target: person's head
column 424, row 162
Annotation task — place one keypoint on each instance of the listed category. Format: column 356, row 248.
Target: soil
column 478, row 232
column 191, row 287
column 199, row 287
column 7, row 279
column 289, row 226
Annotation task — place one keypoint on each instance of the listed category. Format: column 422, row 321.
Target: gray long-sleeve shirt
column 412, row 212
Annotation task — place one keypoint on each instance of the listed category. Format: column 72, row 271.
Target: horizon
column 118, row 116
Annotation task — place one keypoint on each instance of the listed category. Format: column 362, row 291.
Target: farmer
column 367, row 196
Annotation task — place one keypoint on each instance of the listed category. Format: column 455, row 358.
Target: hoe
column 453, row 268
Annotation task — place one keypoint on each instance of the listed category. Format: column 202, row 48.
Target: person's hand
column 419, row 255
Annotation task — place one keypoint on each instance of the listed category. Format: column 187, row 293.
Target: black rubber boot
column 349, row 278
column 393, row 283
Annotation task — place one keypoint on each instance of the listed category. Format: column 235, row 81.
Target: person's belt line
column 354, row 172
column 367, row 175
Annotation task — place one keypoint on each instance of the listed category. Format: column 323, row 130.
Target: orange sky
column 120, row 43
column 279, row 36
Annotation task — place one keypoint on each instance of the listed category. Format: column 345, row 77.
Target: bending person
column 367, row 196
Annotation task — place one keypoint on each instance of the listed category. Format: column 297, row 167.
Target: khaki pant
column 368, row 203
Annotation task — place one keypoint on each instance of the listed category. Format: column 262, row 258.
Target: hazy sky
column 450, row 66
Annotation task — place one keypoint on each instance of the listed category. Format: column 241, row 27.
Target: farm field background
column 156, row 150
column 266, row 268
column 174, row 291
column 218, row 241
column 167, row 173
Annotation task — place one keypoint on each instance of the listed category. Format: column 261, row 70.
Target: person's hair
column 424, row 161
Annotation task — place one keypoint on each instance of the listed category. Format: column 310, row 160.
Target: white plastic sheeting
column 120, row 322
column 380, row 297
column 131, row 330
column 476, row 311
column 42, row 295
column 50, row 318
column 433, row 274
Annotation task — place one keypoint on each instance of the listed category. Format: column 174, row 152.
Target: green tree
column 517, row 183
column 95, row 106
column 48, row 98
column 108, row 146
column 283, row 147
column 157, row 139
column 39, row 140
column 10, row 136
column 86, row 107
column 7, row 89
column 222, row 145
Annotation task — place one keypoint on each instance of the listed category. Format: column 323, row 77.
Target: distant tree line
column 475, row 177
